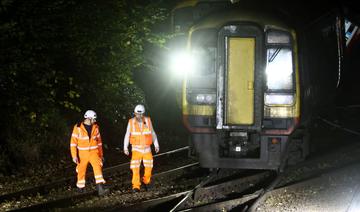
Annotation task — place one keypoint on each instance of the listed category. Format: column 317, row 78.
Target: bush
column 31, row 141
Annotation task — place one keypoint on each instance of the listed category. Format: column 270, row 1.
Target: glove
column 126, row 151
column 157, row 149
column 75, row 160
column 103, row 160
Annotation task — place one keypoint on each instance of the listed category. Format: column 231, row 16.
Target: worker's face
column 89, row 121
column 138, row 116
column 92, row 121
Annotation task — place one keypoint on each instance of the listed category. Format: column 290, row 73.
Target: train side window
column 352, row 32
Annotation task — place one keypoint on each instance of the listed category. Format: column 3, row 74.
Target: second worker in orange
column 140, row 134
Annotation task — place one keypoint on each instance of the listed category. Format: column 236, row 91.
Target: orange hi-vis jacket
column 80, row 140
column 143, row 136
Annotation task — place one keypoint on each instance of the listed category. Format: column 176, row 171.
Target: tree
column 60, row 58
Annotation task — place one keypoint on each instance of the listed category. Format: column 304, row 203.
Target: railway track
column 68, row 183
column 229, row 192
column 208, row 195
column 64, row 203
column 212, row 198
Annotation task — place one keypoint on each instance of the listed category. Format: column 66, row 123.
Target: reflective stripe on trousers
column 135, row 163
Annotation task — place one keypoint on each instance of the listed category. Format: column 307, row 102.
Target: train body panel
column 253, row 84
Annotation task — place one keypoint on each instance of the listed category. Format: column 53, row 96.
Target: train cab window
column 203, row 55
column 205, row 60
column 279, row 69
column 203, row 50
column 279, row 62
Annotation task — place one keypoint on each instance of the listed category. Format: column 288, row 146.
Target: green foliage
column 33, row 142
column 60, row 58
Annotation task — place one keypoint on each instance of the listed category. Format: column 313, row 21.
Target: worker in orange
column 86, row 146
column 140, row 134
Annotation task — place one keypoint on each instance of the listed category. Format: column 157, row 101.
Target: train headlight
column 279, row 112
column 199, row 98
column 181, row 63
column 279, row 99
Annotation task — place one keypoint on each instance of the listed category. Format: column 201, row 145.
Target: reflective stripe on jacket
column 140, row 136
column 81, row 141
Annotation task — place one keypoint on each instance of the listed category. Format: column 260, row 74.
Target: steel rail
column 156, row 204
column 339, row 126
column 120, row 166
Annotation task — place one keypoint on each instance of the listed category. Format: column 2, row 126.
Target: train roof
column 261, row 17
column 296, row 13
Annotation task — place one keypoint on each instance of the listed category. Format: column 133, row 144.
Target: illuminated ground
column 329, row 180
column 336, row 191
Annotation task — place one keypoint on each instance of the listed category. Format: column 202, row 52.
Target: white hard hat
column 139, row 109
column 90, row 114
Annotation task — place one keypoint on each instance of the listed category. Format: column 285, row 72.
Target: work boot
column 101, row 189
column 147, row 187
column 135, row 190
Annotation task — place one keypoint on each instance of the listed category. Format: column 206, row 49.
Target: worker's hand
column 126, row 151
column 75, row 160
column 157, row 149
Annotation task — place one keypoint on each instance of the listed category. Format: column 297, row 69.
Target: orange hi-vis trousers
column 135, row 163
column 91, row 156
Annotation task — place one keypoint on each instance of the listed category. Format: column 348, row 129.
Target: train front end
column 241, row 95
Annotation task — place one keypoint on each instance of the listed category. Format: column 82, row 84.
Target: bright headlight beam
column 181, row 63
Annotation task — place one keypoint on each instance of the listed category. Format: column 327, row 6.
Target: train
column 254, row 79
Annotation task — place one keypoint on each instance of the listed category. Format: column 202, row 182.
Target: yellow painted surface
column 297, row 78
column 240, row 86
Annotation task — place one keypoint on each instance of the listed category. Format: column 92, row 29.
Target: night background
column 60, row 58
